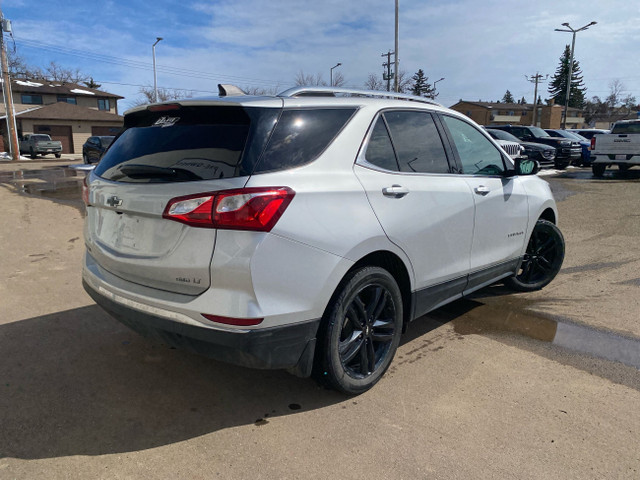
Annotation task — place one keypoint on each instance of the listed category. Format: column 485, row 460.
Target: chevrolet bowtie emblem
column 114, row 201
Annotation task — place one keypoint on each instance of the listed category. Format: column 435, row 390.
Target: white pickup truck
column 39, row 144
column 621, row 147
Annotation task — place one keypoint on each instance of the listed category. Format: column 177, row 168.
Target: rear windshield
column 41, row 138
column 632, row 127
column 188, row 144
column 206, row 143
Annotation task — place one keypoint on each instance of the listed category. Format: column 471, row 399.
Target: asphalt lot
column 500, row 385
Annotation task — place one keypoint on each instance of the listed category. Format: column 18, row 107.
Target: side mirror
column 526, row 166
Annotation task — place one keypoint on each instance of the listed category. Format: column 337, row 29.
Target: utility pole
column 537, row 78
column 387, row 76
column 395, row 74
column 6, row 88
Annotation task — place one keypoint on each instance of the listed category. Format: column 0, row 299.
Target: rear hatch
column 165, row 152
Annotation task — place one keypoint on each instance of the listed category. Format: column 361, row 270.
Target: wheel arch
column 548, row 215
column 397, row 268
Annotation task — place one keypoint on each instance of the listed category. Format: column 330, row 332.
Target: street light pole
column 331, row 73
column 573, row 45
column 439, row 80
column 155, row 75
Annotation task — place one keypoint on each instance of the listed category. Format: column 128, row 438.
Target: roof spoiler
column 225, row 90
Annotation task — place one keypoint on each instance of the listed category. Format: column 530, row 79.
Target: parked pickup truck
column 39, row 144
column 621, row 147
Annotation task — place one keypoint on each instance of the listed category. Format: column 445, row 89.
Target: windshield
column 502, row 135
column 177, row 145
column 106, row 141
column 538, row 132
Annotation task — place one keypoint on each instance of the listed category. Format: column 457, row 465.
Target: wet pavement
column 56, row 183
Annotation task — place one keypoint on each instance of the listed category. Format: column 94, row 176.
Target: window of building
column 103, row 104
column 67, row 99
column 28, row 99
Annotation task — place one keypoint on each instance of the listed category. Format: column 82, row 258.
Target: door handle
column 481, row 190
column 395, row 191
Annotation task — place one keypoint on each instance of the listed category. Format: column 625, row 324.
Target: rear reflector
column 241, row 322
column 256, row 209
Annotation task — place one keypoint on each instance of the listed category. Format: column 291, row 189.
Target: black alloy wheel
column 360, row 332
column 542, row 259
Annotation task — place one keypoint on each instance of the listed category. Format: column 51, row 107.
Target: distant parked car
column 566, row 150
column 588, row 132
column 94, row 148
column 584, row 143
column 545, row 155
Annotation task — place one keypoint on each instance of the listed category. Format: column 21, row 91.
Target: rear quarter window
column 301, row 135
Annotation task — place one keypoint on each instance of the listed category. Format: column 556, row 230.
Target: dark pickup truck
column 567, row 151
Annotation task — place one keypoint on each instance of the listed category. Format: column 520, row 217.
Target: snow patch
column 84, row 92
column 28, row 84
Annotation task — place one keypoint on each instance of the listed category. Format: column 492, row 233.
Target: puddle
column 472, row 317
column 58, row 183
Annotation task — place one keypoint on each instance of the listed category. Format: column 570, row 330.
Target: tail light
column 593, row 143
column 256, row 209
column 85, row 192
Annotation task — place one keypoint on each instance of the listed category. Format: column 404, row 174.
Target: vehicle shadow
column 77, row 382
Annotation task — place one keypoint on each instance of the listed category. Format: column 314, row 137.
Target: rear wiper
column 139, row 171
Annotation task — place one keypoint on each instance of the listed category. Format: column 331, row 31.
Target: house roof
column 67, row 111
column 40, row 86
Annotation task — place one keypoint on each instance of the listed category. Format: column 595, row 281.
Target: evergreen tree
column 523, row 101
column 558, row 85
column 508, row 97
column 421, row 86
column 92, row 84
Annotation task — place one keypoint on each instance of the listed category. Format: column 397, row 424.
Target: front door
column 501, row 206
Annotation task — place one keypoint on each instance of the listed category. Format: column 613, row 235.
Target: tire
column 360, row 331
column 598, row 169
column 58, row 155
column 542, row 259
column 32, row 154
column 561, row 165
column 623, row 167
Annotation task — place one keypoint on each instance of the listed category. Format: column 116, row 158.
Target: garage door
column 61, row 133
column 104, row 131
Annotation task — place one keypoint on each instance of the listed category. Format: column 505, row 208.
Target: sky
column 480, row 47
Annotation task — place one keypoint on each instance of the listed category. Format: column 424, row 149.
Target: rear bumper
column 288, row 347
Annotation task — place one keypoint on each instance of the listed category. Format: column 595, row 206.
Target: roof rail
column 332, row 91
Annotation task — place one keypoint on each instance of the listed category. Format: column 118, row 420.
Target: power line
column 139, row 65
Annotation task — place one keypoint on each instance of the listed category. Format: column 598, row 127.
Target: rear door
column 501, row 205
column 423, row 207
column 159, row 156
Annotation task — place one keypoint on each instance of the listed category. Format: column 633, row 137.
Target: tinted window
column 477, row 154
column 300, row 136
column 379, row 150
column 417, row 142
column 191, row 143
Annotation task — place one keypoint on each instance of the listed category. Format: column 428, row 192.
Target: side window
column 477, row 154
column 417, row 142
column 302, row 135
column 379, row 150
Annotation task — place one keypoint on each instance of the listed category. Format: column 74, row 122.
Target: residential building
column 68, row 112
column 496, row 113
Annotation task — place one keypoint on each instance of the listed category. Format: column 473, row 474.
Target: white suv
column 305, row 231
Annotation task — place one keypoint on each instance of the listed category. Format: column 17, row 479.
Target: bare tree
column 309, row 80
column 58, row 73
column 374, row 83
column 260, row 91
column 338, row 79
column 164, row 94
